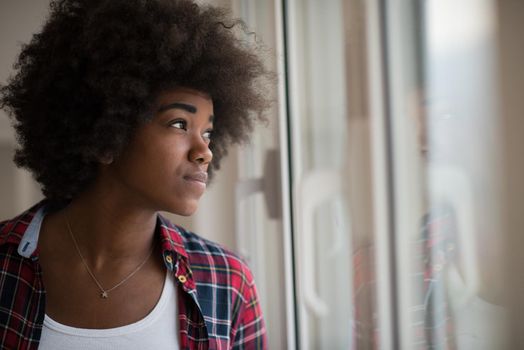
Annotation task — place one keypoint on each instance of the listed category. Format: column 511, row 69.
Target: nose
column 200, row 152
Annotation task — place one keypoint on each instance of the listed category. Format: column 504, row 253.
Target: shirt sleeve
column 251, row 330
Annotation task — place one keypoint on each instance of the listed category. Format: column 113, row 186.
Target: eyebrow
column 178, row 105
column 183, row 106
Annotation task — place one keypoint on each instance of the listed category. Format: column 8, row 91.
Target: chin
column 186, row 210
column 185, row 213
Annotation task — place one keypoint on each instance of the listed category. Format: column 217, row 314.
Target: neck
column 108, row 227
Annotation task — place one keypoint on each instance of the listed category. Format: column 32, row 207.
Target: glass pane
column 464, row 169
column 260, row 235
column 319, row 126
column 447, row 153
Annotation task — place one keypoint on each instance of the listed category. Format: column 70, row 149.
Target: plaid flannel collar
column 174, row 253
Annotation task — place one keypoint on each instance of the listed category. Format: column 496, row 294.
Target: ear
column 106, row 159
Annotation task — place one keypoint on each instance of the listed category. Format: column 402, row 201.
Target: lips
column 197, row 177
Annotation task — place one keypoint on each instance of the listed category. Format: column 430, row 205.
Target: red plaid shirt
column 218, row 303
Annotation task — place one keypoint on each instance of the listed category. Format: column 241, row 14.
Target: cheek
column 171, row 154
column 166, row 163
column 154, row 158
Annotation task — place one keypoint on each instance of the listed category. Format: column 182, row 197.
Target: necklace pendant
column 104, row 295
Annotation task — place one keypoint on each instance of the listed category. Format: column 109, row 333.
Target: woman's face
column 165, row 165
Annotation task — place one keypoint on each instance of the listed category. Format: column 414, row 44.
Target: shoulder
column 12, row 230
column 208, row 257
column 226, row 287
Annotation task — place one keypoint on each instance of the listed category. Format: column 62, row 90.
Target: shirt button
column 169, row 259
column 182, row 279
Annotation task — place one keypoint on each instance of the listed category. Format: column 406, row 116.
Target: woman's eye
column 207, row 135
column 179, row 124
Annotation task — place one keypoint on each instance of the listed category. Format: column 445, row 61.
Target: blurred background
column 380, row 208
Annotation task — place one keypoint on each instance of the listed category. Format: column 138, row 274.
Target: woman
column 122, row 109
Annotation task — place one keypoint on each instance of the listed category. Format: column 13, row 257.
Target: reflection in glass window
column 461, row 254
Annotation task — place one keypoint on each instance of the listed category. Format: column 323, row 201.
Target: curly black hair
column 90, row 78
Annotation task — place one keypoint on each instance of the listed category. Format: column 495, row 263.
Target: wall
column 18, row 20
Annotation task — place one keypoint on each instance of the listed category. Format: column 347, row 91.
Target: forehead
column 183, row 94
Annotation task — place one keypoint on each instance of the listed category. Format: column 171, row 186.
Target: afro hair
column 87, row 81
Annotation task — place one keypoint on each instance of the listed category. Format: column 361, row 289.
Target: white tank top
column 158, row 330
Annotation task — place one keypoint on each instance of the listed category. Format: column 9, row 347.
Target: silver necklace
column 104, row 293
